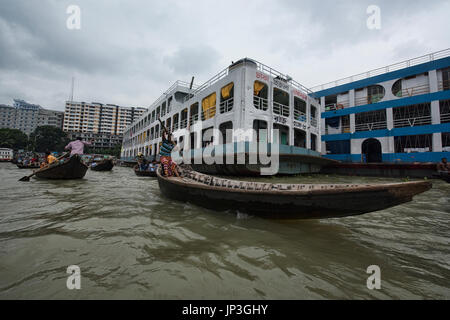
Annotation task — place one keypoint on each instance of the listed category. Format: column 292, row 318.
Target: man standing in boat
column 169, row 167
column 443, row 166
column 77, row 146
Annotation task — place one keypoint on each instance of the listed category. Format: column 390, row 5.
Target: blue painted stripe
column 396, row 132
column 394, row 157
column 406, row 72
column 440, row 95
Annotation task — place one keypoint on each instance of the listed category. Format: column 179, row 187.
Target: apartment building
column 105, row 123
column 27, row 116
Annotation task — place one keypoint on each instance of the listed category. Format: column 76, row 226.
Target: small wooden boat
column 140, row 173
column 103, row 165
column 287, row 201
column 30, row 166
column 72, row 168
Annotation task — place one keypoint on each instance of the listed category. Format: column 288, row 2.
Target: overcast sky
column 128, row 52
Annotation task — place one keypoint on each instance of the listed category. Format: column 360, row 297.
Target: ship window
column 179, row 96
column 260, row 127
column 299, row 138
column 417, row 143
column 194, row 113
column 223, row 130
column 313, row 142
column 375, row 94
column 207, row 137
column 163, row 109
column 260, row 95
column 397, row 88
column 445, row 137
column 299, row 109
column 175, row 121
column 209, row 107
column 184, row 115
column 227, row 98
column 283, row 134
column 280, row 102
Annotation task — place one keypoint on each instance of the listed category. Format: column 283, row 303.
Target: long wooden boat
column 30, row 166
column 144, row 173
column 104, row 165
column 73, row 168
column 287, row 201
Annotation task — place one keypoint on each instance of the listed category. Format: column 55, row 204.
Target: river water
column 132, row 243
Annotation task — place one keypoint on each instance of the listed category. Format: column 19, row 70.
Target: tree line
column 45, row 138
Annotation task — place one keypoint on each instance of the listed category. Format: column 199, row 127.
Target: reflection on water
column 130, row 242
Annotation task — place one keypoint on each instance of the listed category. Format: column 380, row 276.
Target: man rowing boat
column 77, row 146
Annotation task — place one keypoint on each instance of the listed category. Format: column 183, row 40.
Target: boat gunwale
column 355, row 188
column 58, row 165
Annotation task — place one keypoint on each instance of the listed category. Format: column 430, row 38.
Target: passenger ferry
column 395, row 114
column 6, row 154
column 247, row 94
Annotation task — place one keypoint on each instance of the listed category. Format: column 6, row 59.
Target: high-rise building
column 27, row 117
column 105, row 123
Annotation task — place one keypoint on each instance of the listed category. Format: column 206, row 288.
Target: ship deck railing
column 281, row 109
column 390, row 68
column 371, row 126
column 299, row 116
column 227, row 105
column 260, row 67
column 342, row 129
column 412, row 122
column 445, row 117
column 444, row 85
column 260, row 103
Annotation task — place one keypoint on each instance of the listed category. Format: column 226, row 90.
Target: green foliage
column 112, row 151
column 48, row 138
column 13, row 138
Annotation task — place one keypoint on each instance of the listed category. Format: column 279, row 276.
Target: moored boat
column 103, row 165
column 29, row 166
column 287, row 201
column 72, row 168
column 146, row 173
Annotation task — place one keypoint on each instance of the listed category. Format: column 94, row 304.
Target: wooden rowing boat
column 287, row 201
column 140, row 173
column 104, row 165
column 72, row 168
column 30, row 166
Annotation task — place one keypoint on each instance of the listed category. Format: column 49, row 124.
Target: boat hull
column 105, row 165
column 315, row 203
column 20, row 166
column 144, row 173
column 73, row 168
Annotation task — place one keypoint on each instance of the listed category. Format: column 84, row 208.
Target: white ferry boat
column 245, row 95
column 6, row 154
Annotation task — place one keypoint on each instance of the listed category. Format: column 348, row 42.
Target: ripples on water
column 132, row 243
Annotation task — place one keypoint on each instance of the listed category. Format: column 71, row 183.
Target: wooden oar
column 27, row 178
column 163, row 126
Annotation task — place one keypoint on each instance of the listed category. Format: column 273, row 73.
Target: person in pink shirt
column 77, row 146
